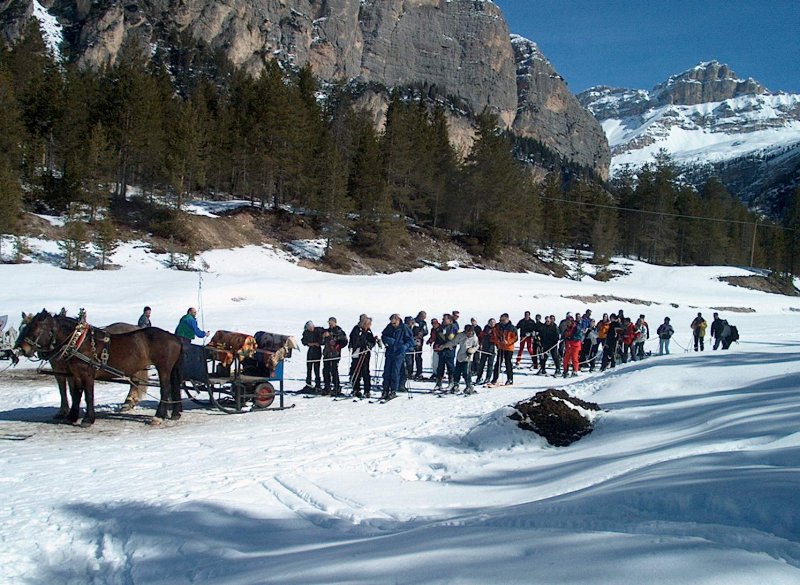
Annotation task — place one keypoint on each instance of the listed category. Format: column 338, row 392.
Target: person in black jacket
column 488, row 353
column 476, row 360
column 447, row 332
column 312, row 338
column 526, row 327
column 334, row 339
column 549, row 338
column 420, row 332
column 537, row 341
column 362, row 340
column 717, row 326
column 409, row 358
column 613, row 337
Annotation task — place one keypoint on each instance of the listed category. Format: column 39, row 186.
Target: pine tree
column 329, row 191
column 106, row 240
column 406, row 158
column 98, row 163
column 10, row 155
column 444, row 166
column 554, row 212
column 132, row 113
column 792, row 235
column 187, row 148
column 377, row 231
column 657, row 196
column 714, row 235
column 624, row 186
column 75, row 244
column 688, row 231
column 39, row 90
column 493, row 180
column 603, row 227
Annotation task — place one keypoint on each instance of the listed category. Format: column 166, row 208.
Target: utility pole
column 753, row 247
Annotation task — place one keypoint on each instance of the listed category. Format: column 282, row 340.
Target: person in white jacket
column 467, row 343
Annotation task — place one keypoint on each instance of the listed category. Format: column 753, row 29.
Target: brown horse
column 65, row 381
column 85, row 350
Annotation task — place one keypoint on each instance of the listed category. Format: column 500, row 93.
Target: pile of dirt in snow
column 555, row 415
column 588, row 299
column 770, row 284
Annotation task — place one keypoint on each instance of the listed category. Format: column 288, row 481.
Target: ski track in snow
column 690, row 476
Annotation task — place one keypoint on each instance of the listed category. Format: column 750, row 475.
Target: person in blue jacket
column 398, row 340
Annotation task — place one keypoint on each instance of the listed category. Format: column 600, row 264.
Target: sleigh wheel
column 228, row 399
column 263, row 395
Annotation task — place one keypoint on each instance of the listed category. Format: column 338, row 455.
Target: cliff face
column 462, row 48
column 548, row 112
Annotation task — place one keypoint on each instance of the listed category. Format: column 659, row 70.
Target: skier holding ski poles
column 362, row 340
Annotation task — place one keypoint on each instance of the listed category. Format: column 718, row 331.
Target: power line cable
column 667, row 214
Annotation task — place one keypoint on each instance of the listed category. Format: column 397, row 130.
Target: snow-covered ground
column 691, row 475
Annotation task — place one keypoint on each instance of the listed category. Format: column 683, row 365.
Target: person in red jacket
column 628, row 337
column 573, row 340
column 506, row 338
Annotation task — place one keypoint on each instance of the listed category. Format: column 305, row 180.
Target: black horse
column 84, row 350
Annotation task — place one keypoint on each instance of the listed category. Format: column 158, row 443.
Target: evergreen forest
column 183, row 125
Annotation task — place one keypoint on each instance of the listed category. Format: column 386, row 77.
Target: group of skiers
column 481, row 352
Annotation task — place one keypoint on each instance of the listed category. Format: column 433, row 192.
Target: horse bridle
column 37, row 346
column 45, row 352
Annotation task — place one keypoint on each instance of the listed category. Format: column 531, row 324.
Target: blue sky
column 639, row 43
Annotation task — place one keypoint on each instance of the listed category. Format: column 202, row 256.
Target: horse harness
column 72, row 347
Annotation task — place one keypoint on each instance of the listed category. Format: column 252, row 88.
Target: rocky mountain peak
column 711, row 122
column 707, row 82
column 710, row 81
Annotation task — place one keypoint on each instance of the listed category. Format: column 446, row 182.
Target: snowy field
column 691, row 475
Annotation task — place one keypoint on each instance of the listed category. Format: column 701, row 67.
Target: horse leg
column 62, row 390
column 161, row 411
column 75, row 391
column 175, row 383
column 136, row 393
column 89, row 417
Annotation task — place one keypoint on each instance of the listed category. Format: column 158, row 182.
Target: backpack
column 734, row 333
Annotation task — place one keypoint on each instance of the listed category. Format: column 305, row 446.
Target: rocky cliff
column 707, row 82
column 460, row 48
column 548, row 112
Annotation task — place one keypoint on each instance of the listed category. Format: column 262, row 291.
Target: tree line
column 182, row 124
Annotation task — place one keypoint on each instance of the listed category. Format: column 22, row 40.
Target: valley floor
column 690, row 476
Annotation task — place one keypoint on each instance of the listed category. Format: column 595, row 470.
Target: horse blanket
column 231, row 344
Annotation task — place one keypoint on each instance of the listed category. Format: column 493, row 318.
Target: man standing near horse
column 187, row 328
column 144, row 320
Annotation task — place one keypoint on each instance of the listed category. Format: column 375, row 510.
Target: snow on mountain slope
column 690, row 476
column 708, row 132
column 705, row 118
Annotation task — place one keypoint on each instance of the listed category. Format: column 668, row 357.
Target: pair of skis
column 497, row 385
